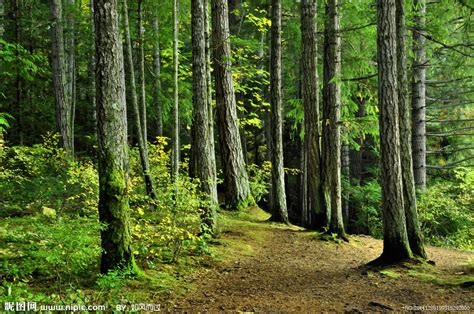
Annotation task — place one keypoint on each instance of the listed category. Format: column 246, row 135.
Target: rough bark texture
column 313, row 213
column 175, row 111
column 409, row 194
column 419, row 95
column 236, row 184
column 113, row 151
column 331, row 118
column 157, row 79
column 201, row 141
column 279, row 209
column 396, row 245
column 209, row 90
column 141, row 70
column 60, row 80
column 142, row 143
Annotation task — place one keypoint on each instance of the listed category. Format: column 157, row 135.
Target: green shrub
column 446, row 211
column 259, row 180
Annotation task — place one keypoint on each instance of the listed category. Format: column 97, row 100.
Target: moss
column 390, row 273
column 245, row 203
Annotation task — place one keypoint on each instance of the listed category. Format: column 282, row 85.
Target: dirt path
column 293, row 272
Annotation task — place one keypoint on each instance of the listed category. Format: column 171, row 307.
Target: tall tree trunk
column 396, row 245
column 61, row 91
column 157, row 73
column 409, row 194
column 142, row 143
column 92, row 75
column 419, row 95
column 71, row 64
column 279, row 209
column 113, row 151
column 212, row 147
column 345, row 171
column 314, row 214
column 201, row 141
column 237, row 190
column 332, row 119
column 141, row 70
column 175, row 111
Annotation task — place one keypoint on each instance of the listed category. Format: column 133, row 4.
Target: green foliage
column 168, row 227
column 445, row 210
column 259, row 179
column 41, row 176
column 367, row 198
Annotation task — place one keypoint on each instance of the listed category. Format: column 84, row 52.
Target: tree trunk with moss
column 236, row 183
column 142, row 143
column 409, row 194
column 332, row 120
column 314, row 214
column 112, row 133
column 201, row 141
column 396, row 246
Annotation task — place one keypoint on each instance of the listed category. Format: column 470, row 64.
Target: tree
column 396, row 246
column 313, row 213
column 201, row 142
column 60, row 82
column 141, row 70
column 236, row 183
column 419, row 95
column 112, row 130
column 332, row 119
column 279, row 210
column 142, row 142
column 409, row 194
column 175, row 111
column 157, row 76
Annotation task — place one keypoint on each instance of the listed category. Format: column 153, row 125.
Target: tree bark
column 396, row 247
column 419, row 95
column 279, row 209
column 142, row 143
column 314, row 215
column 71, row 64
column 175, row 111
column 157, row 73
column 237, row 190
column 201, row 141
column 113, row 151
column 92, row 66
column 61, row 90
column 209, row 91
column 332, row 119
column 409, row 194
column 141, row 70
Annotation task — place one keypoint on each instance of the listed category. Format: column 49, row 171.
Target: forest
column 236, row 155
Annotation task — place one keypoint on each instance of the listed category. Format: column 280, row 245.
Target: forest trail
column 277, row 268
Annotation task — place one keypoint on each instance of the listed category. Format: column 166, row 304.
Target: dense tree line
column 233, row 83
